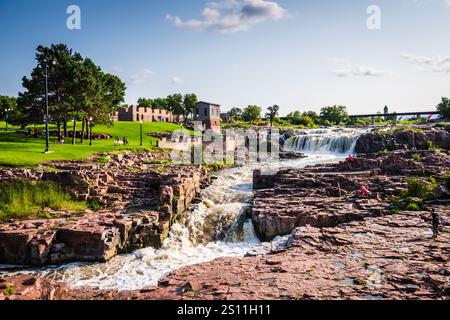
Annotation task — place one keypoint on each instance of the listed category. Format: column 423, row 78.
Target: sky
column 299, row 54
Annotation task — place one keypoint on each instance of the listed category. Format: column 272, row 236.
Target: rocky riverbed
column 340, row 245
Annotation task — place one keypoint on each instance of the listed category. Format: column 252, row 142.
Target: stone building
column 208, row 114
column 144, row 114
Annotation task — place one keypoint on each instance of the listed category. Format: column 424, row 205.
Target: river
column 215, row 227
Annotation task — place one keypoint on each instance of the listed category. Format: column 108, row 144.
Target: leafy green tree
column 305, row 119
column 189, row 103
column 272, row 113
column 444, row 108
column 251, row 114
column 334, row 114
column 160, row 103
column 175, row 105
column 77, row 89
column 145, row 103
column 235, row 114
column 8, row 106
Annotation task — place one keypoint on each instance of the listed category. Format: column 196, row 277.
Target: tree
column 305, row 119
column 272, row 113
column 160, row 103
column 334, row 114
column 251, row 114
column 8, row 106
column 444, row 108
column 77, row 89
column 235, row 114
column 189, row 103
column 146, row 103
column 175, row 105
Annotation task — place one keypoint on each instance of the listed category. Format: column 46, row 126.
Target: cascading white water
column 214, row 228
column 340, row 141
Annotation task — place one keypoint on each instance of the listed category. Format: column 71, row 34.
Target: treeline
column 178, row 104
column 78, row 90
column 328, row 116
column 333, row 115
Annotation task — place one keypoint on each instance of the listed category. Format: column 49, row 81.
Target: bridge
column 394, row 115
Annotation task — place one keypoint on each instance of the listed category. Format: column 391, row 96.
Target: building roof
column 212, row 104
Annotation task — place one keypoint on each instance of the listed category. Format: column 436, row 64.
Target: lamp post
column 6, row 117
column 140, row 124
column 90, row 131
column 47, row 134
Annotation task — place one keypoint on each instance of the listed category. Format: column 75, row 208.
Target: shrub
column 418, row 188
column 416, row 157
column 413, row 207
column 10, row 291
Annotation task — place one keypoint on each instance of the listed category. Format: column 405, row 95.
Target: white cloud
column 116, row 70
column 344, row 68
column 177, row 81
column 141, row 77
column 435, row 64
column 232, row 16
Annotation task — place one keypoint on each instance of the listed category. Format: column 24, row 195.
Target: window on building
column 142, row 117
column 137, row 117
column 206, row 112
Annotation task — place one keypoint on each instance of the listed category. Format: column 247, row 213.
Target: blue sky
column 299, row 54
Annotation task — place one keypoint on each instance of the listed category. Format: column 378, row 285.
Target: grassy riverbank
column 19, row 150
column 25, row 199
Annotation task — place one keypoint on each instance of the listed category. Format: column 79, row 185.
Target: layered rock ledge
column 420, row 138
column 389, row 257
column 142, row 200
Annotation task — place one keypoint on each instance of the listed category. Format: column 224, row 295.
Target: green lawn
column 18, row 150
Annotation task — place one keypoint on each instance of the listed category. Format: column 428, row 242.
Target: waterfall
column 323, row 141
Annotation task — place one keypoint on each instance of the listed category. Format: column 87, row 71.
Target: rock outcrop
column 327, row 195
column 141, row 201
column 388, row 257
column 403, row 140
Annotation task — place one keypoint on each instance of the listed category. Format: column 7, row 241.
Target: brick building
column 208, row 114
column 144, row 114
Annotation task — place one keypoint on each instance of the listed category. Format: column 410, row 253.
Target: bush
column 417, row 193
column 22, row 199
column 413, row 207
column 416, row 157
column 418, row 188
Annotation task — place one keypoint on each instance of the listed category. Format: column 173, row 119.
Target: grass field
column 19, row 150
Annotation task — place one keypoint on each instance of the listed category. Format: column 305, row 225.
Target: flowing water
column 324, row 141
column 216, row 227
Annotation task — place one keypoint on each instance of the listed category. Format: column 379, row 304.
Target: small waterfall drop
column 323, row 141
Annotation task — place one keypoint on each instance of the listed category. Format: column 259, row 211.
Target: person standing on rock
column 436, row 223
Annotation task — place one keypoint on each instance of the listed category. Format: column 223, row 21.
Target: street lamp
column 90, row 131
column 47, row 134
column 6, row 117
column 140, row 124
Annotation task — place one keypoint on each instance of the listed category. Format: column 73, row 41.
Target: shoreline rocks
column 141, row 201
column 375, row 142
